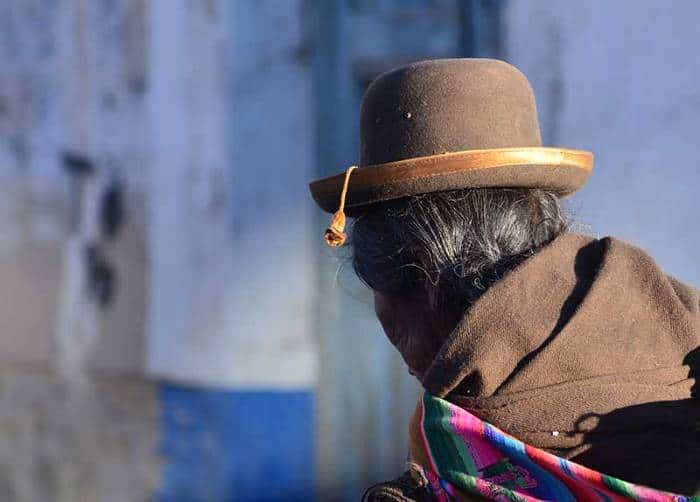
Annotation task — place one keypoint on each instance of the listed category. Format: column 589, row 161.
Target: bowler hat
column 449, row 124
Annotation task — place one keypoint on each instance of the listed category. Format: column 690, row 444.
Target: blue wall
column 221, row 445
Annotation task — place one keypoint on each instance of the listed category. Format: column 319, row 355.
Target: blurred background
column 172, row 327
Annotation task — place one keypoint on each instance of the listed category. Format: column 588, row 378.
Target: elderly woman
column 555, row 366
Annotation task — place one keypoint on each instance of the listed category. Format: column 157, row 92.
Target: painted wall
column 72, row 80
column 96, row 441
column 75, row 421
column 224, row 445
column 621, row 79
column 208, row 279
column 232, row 282
column 155, row 223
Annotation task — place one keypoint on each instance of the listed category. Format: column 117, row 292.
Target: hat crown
column 448, row 105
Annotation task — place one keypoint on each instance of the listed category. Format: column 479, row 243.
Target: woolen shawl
column 587, row 350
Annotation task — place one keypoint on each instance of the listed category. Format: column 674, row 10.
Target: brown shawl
column 588, row 350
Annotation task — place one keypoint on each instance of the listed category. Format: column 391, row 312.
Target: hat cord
column 335, row 234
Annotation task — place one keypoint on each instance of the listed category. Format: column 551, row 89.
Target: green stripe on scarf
column 446, row 448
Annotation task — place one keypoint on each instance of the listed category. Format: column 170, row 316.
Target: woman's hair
column 449, row 247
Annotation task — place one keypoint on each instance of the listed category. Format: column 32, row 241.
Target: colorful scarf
column 461, row 455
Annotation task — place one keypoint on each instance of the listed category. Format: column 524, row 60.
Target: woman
column 556, row 366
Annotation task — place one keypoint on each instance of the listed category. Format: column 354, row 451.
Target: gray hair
column 449, row 247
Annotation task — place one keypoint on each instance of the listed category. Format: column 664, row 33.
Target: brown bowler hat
column 448, row 124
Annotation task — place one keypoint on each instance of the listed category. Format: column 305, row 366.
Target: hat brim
column 559, row 170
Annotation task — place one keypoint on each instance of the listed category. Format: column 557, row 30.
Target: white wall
column 623, row 80
column 232, row 274
column 75, row 424
column 72, row 77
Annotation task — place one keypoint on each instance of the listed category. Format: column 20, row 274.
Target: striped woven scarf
column 462, row 456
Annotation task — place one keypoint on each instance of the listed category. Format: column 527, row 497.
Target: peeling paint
column 61, row 438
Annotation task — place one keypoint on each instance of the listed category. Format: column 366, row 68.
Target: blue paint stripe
column 221, row 445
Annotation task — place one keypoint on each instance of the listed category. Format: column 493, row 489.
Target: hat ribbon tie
column 335, row 234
